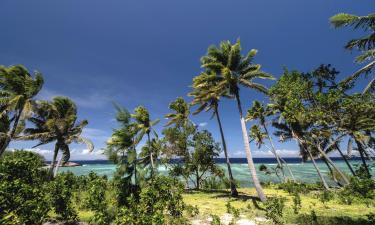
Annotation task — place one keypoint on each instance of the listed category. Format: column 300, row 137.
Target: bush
column 303, row 188
column 296, row 203
column 160, row 202
column 215, row 220
column 96, row 199
column 275, row 209
column 60, row 195
column 23, row 188
column 230, row 209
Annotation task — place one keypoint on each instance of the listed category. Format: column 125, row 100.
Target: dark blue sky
column 147, row 52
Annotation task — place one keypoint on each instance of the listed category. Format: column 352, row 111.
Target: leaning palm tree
column 208, row 96
column 259, row 112
column 144, row 125
column 363, row 44
column 180, row 115
column 17, row 90
column 235, row 70
column 56, row 121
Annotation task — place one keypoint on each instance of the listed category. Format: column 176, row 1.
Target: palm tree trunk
column 274, row 152
column 330, row 171
column 318, row 170
column 151, row 157
column 57, row 166
column 300, row 142
column 53, row 162
column 249, row 157
column 361, row 150
column 346, row 160
column 289, row 170
column 12, row 132
column 346, row 180
column 233, row 190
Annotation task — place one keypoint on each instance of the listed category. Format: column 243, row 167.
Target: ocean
column 303, row 172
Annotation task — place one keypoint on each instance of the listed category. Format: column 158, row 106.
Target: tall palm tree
column 259, row 112
column 17, row 90
column 144, row 125
column 235, row 70
column 364, row 44
column 56, row 121
column 208, row 96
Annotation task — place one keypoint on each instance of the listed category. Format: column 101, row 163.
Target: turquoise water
column 304, row 172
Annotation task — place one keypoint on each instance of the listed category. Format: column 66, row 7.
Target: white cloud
column 203, row 124
column 93, row 100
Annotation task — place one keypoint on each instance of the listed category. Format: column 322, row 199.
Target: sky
column 138, row 52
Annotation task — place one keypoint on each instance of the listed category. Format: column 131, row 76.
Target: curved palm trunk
column 330, row 171
column 249, row 157
column 346, row 160
column 361, row 150
column 275, row 153
column 318, row 170
column 300, row 142
column 289, row 170
column 233, row 190
column 151, row 156
column 346, row 180
column 12, row 132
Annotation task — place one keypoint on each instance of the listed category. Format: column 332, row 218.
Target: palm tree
column 144, row 126
column 56, row 121
column 179, row 117
column 207, row 96
column 17, row 90
column 364, row 44
column 235, row 70
column 258, row 111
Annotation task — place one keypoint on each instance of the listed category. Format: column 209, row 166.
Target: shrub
column 23, row 188
column 325, row 196
column 293, row 187
column 296, row 202
column 160, row 202
column 192, row 210
column 215, row 220
column 96, row 199
column 60, row 195
column 274, row 209
column 230, row 209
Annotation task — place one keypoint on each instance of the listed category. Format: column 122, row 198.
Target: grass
column 214, row 202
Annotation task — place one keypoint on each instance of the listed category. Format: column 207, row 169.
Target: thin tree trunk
column 233, row 190
column 10, row 135
column 289, row 170
column 346, row 160
column 275, row 153
column 249, row 157
column 151, row 157
column 330, row 171
column 312, row 159
column 197, row 179
column 360, row 149
column 318, row 170
column 333, row 165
